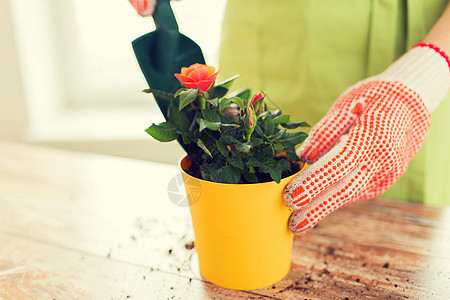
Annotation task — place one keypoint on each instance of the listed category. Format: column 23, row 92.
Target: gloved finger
column 328, row 170
column 330, row 128
column 144, row 8
column 341, row 193
column 382, row 182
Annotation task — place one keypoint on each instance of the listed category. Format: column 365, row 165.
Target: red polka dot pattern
column 357, row 151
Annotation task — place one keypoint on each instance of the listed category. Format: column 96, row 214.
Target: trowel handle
column 164, row 17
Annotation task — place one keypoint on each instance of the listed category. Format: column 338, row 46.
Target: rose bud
column 258, row 103
column 257, row 97
column 232, row 113
column 249, row 122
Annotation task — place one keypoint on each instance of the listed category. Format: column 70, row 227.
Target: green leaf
column 274, row 172
column 187, row 139
column 203, row 147
column 178, row 118
column 237, row 162
column 259, row 130
column 177, row 93
column 241, row 147
column 293, row 125
column 230, row 125
column 291, row 153
column 258, row 155
column 269, row 161
column 187, row 97
column 241, row 93
column 255, row 142
column 251, row 170
column 224, row 103
column 265, row 113
column 218, row 92
column 292, row 139
column 207, row 124
column 279, row 134
column 227, row 83
column 251, row 178
column 221, row 148
column 227, row 137
column 214, row 102
column 163, row 132
column 281, row 119
column 210, row 115
column 205, row 176
column 284, row 165
column 277, row 148
column 263, row 156
column 207, row 170
column 276, row 113
column 159, row 94
column 215, row 175
column 268, row 125
column 252, row 161
column 229, row 174
column 238, row 101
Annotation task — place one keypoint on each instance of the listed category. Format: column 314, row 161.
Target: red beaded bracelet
column 435, row 48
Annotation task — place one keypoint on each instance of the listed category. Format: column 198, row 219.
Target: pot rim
column 238, row 184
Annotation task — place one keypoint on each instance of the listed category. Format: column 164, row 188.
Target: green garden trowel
column 162, row 53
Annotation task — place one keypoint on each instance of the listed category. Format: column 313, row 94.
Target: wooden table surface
column 84, row 226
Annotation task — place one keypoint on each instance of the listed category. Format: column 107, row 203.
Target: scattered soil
column 189, row 245
column 330, row 251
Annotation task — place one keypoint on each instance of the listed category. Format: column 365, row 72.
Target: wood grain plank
column 119, row 209
column 359, row 252
column 31, row 270
column 107, row 206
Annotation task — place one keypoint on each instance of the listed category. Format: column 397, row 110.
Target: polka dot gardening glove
column 366, row 140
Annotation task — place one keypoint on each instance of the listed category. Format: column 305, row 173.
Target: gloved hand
column 366, row 140
column 144, row 8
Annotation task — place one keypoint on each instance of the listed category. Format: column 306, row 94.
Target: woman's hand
column 365, row 142
column 144, row 8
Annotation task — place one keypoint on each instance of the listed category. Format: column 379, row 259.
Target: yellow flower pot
column 241, row 231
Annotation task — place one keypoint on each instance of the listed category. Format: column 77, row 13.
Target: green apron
column 305, row 53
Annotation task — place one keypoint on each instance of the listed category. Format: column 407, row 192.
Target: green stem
column 248, row 137
column 202, row 102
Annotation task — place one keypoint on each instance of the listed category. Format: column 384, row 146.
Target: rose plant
column 238, row 140
column 240, row 155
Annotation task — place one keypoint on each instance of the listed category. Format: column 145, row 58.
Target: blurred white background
column 69, row 78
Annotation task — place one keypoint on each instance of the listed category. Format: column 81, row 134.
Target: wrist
column 424, row 69
column 436, row 49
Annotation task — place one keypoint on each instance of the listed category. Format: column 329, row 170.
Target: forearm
column 424, row 68
column 439, row 35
